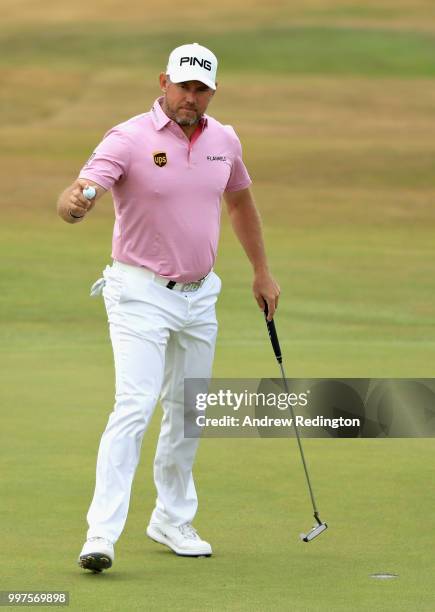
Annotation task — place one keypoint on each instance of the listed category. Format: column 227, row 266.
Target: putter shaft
column 301, row 450
column 320, row 527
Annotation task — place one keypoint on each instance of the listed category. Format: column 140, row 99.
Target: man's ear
column 163, row 79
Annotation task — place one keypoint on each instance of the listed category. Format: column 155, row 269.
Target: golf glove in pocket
column 97, row 287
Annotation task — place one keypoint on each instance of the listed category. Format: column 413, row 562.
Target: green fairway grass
column 334, row 103
column 279, row 50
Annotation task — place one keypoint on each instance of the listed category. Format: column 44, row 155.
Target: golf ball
column 89, row 193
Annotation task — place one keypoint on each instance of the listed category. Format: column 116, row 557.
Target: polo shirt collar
column 161, row 119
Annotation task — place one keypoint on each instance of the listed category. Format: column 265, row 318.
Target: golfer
column 167, row 170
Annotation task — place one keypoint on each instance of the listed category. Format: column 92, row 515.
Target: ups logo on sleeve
column 160, row 158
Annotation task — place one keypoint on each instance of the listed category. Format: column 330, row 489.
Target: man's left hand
column 266, row 289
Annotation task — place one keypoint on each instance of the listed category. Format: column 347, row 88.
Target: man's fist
column 72, row 204
column 78, row 204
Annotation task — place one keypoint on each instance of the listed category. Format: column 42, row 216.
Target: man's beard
column 185, row 120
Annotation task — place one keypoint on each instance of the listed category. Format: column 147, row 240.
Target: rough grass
column 222, row 16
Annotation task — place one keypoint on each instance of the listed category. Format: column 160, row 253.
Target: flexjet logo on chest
column 216, row 157
column 160, row 158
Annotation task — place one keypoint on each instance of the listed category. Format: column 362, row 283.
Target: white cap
column 192, row 63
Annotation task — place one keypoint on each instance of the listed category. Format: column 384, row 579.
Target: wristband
column 74, row 216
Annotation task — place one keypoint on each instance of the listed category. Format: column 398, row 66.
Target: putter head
column 315, row 531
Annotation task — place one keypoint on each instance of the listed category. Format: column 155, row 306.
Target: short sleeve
column 239, row 177
column 110, row 161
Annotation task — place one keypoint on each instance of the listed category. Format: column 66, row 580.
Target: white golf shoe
column 97, row 554
column 183, row 540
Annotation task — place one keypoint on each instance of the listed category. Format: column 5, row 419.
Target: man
column 167, row 170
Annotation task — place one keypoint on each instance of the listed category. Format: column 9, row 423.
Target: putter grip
column 272, row 335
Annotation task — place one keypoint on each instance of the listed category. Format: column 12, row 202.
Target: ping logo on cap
column 195, row 60
column 160, row 158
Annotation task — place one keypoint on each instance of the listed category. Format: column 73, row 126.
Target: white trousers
column 159, row 338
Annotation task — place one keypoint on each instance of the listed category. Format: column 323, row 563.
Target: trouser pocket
column 110, row 286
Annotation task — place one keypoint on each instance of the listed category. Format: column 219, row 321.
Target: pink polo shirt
column 167, row 190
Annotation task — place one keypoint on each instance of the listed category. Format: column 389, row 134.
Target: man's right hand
column 79, row 205
column 72, row 205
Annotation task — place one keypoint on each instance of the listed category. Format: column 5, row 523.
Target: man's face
column 185, row 102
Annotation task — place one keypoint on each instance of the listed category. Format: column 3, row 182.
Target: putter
column 317, row 529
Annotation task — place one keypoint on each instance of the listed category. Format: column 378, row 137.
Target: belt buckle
column 187, row 287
